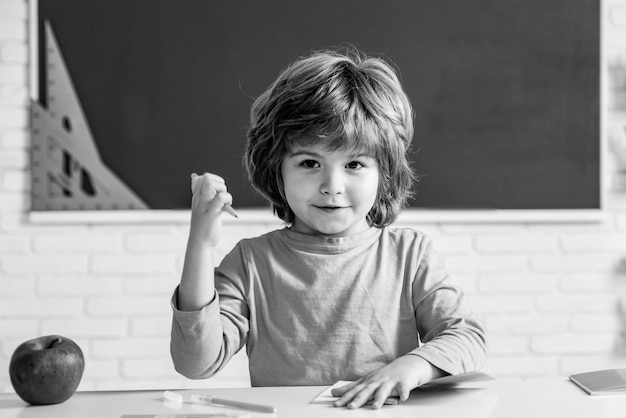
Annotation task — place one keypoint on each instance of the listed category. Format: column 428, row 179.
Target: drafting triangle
column 67, row 172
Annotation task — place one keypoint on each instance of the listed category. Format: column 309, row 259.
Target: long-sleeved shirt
column 312, row 310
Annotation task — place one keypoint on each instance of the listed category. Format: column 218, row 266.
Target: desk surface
column 494, row 399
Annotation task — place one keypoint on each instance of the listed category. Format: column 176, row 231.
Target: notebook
column 601, row 382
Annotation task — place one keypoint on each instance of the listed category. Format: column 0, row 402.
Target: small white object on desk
column 170, row 396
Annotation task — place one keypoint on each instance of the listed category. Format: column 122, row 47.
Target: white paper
column 455, row 380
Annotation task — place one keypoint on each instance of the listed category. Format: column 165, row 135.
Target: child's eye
column 354, row 165
column 309, row 164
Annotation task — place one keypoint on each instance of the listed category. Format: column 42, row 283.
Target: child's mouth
column 329, row 208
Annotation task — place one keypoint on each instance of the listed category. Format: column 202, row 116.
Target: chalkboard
column 506, row 92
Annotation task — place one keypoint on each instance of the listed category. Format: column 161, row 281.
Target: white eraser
column 172, row 396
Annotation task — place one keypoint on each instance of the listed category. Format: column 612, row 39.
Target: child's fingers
column 194, row 182
column 219, row 201
column 360, row 394
column 209, row 189
column 213, row 178
column 363, row 396
column 343, row 389
column 383, row 392
column 345, row 396
column 403, row 391
column 225, row 198
column 350, row 395
column 207, row 185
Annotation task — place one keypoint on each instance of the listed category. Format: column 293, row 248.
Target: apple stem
column 55, row 342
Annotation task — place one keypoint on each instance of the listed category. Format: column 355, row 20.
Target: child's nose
column 332, row 183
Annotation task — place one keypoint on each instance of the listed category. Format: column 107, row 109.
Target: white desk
column 548, row 398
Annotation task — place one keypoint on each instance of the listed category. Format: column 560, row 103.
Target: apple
column 46, row 370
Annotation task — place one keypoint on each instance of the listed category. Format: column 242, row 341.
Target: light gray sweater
column 314, row 310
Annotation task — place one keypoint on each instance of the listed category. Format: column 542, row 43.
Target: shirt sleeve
column 452, row 339
column 203, row 341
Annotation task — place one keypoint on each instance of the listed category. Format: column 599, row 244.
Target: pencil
column 212, row 400
column 229, row 209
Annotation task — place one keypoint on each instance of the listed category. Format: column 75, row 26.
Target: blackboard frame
column 424, row 214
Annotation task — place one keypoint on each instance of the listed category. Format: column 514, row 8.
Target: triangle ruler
column 67, row 171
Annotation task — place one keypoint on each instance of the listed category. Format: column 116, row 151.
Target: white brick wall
column 552, row 295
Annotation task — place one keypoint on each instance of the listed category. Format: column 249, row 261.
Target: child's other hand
column 208, row 200
column 397, row 379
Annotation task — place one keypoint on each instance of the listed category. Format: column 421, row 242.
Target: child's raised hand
column 208, row 200
column 397, row 378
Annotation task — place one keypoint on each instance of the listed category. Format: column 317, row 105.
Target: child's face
column 330, row 192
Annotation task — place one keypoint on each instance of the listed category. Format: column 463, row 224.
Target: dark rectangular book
column 602, row 382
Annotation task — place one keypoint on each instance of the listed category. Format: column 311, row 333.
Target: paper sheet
column 458, row 379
